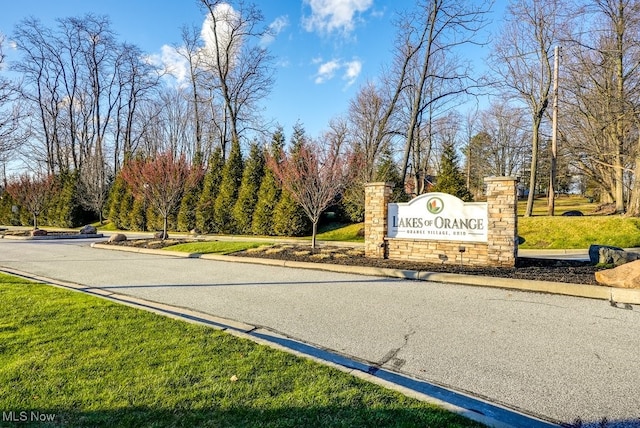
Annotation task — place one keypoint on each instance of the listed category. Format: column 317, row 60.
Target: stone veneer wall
column 500, row 250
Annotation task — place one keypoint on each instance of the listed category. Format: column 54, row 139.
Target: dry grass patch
column 355, row 252
column 274, row 250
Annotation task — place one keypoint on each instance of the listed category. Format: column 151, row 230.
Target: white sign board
column 438, row 216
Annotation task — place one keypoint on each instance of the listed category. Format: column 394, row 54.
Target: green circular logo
column 435, row 205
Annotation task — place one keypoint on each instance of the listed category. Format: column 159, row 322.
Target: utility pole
column 554, row 135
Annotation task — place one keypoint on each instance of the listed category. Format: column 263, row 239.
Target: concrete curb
column 617, row 295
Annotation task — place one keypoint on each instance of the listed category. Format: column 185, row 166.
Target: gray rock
column 572, row 213
column 117, row 237
column 88, row 230
column 594, row 252
column 603, row 254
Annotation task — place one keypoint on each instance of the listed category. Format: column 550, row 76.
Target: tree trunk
column 534, row 167
column 165, row 226
column 313, row 234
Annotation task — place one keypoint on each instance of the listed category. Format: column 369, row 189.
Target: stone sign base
column 501, row 248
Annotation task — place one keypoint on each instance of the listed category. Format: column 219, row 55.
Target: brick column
column 376, row 198
column 502, row 201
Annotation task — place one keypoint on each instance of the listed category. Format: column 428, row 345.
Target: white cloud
column 353, row 71
column 331, row 15
column 275, row 28
column 226, row 20
column 171, row 62
column 327, row 71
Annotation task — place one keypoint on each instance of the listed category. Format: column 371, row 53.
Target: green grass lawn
column 215, row 247
column 579, row 232
column 94, row 363
column 562, row 204
column 348, row 233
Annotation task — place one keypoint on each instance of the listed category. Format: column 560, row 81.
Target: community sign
column 438, row 216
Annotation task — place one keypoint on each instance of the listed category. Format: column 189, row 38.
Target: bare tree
column 432, row 74
column 31, row 192
column 93, row 186
column 238, row 69
column 314, row 174
column 84, row 86
column 11, row 113
column 161, row 181
column 137, row 80
column 603, row 95
column 506, row 147
column 522, row 58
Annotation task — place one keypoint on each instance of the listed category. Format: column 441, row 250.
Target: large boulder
column 88, row 230
column 118, row 237
column 625, row 276
column 38, row 232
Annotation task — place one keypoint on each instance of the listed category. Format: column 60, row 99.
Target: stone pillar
column 502, row 203
column 376, row 198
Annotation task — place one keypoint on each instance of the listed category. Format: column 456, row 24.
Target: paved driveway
column 557, row 357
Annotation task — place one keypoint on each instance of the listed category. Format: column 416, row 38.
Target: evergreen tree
column 389, row 172
column 189, row 203
column 269, row 192
column 138, row 215
column 248, row 192
column 204, row 211
column 124, row 210
column 9, row 215
column 450, row 179
column 118, row 191
column 289, row 219
column 64, row 209
column 228, row 194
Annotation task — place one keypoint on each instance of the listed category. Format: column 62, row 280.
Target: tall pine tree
column 450, row 179
column 189, row 203
column 210, row 187
column 289, row 219
column 228, row 194
column 248, row 192
column 269, row 192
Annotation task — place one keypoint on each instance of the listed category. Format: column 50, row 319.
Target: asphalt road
column 557, row 357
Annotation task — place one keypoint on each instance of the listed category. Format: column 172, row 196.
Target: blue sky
column 324, row 49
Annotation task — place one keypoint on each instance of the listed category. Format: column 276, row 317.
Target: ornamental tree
column 161, row 181
column 31, row 193
column 314, row 174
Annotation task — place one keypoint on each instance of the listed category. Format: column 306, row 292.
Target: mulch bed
column 570, row 271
